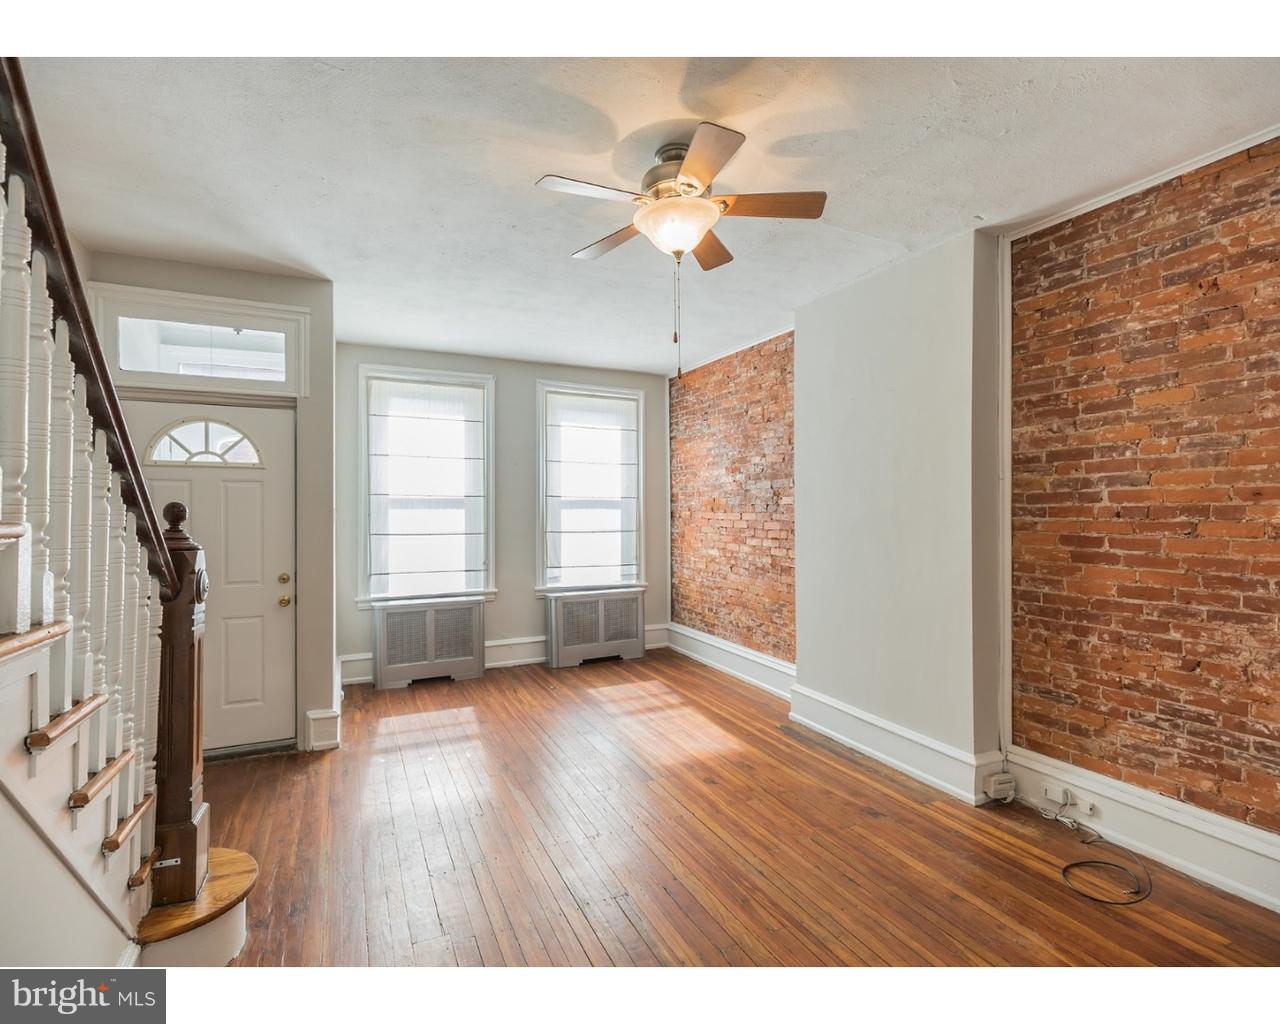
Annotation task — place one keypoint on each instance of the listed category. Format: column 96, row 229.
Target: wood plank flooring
column 658, row 812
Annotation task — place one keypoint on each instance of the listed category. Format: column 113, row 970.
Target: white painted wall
column 516, row 612
column 60, row 922
column 887, row 598
column 319, row 691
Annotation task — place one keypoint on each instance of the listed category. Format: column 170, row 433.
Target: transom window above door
column 201, row 343
column 208, row 442
column 201, row 350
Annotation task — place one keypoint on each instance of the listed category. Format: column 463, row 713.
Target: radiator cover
column 427, row 638
column 587, row 624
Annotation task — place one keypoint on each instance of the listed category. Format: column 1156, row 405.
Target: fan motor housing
column 659, row 180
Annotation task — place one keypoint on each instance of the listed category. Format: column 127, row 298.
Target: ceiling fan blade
column 712, row 147
column 556, row 183
column 607, row 244
column 711, row 253
column 799, row 205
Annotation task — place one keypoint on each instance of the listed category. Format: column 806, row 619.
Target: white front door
column 234, row 470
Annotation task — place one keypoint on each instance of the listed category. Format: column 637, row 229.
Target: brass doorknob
column 284, row 577
column 285, row 601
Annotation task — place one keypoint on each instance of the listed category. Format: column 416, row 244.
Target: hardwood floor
column 658, row 812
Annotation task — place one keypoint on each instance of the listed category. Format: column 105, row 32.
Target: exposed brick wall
column 1146, row 488
column 733, row 498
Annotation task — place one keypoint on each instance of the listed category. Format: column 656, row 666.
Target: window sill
column 600, row 588
column 365, row 602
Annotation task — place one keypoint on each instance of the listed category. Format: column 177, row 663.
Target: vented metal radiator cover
column 427, row 638
column 587, row 624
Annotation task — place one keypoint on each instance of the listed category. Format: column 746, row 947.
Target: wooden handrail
column 42, row 739
column 24, row 154
column 125, row 829
column 99, row 781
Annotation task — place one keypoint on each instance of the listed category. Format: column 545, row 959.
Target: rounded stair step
column 232, row 875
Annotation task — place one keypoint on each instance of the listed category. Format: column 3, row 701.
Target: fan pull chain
column 675, row 337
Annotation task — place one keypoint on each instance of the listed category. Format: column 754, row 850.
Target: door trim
column 134, row 393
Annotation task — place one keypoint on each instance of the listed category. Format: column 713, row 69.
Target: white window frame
column 149, row 458
column 370, row 371
column 112, row 301
column 541, row 587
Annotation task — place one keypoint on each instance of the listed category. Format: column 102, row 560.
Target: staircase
column 101, row 619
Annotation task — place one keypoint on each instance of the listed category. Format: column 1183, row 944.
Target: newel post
column 182, row 816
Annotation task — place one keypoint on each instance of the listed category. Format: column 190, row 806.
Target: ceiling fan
column 676, row 210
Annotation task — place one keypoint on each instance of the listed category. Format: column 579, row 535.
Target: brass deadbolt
column 284, row 577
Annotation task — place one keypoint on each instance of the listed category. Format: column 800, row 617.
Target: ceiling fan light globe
column 677, row 224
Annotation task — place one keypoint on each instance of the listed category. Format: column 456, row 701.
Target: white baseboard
column 324, row 729
column 656, row 637
column 519, row 650
column 1224, row 852
column 931, row 761
column 762, row 670
column 532, row 650
column 130, row 955
column 356, row 668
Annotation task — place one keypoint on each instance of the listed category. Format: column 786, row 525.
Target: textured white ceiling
column 409, row 183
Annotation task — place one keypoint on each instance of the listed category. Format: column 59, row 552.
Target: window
column 202, row 441
column 428, row 526
column 590, row 441
column 182, row 341
column 200, row 350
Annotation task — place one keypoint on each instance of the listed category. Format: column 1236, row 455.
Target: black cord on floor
column 1140, row 886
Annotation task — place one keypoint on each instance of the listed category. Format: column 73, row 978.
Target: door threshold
column 251, row 750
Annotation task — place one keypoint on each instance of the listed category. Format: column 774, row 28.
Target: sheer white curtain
column 426, row 487
column 592, row 489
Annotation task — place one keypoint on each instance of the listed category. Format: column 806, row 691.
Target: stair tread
column 232, row 875
column 37, row 636
column 139, row 878
column 125, row 829
column 99, row 781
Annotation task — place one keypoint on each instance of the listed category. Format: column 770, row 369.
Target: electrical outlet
column 1058, row 795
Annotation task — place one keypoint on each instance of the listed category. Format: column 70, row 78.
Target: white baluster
column 61, row 428
column 115, row 623
column 39, row 407
column 153, row 692
column 142, row 639
column 100, row 575
column 4, row 209
column 81, row 544
column 129, row 678
column 15, row 304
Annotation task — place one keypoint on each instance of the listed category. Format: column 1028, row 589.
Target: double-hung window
column 428, row 513
column 591, row 533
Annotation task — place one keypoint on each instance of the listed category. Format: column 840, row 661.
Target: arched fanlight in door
column 202, row 441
